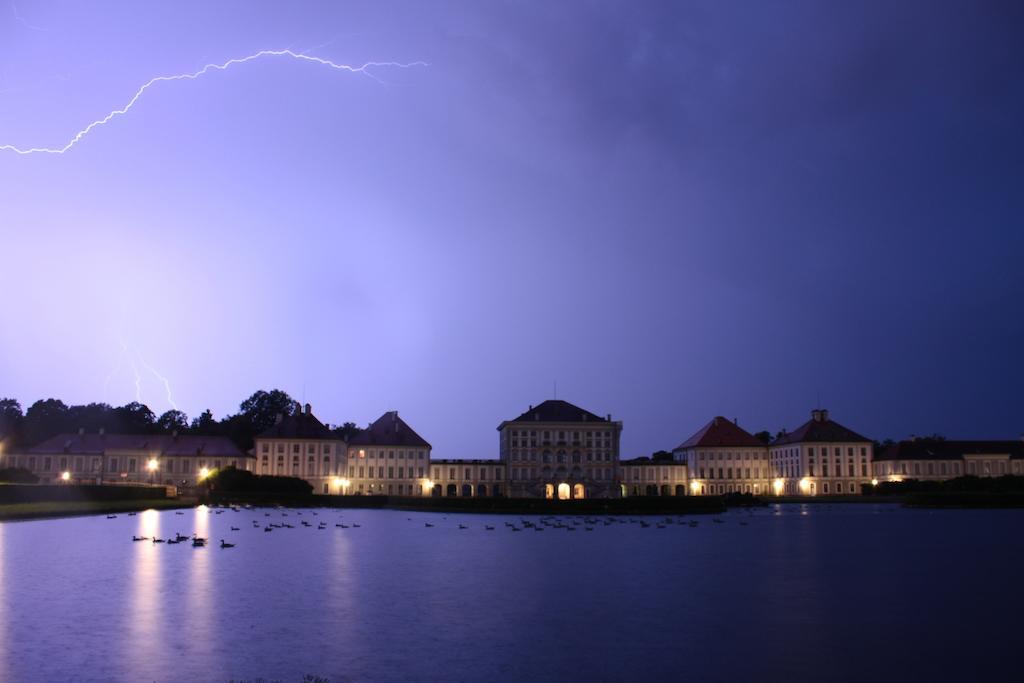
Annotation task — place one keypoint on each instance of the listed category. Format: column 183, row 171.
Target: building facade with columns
column 722, row 457
column 938, row 459
column 167, row 459
column 820, row 457
column 647, row 477
column 300, row 445
column 479, row 478
column 558, row 450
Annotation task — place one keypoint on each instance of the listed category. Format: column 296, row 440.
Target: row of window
column 296, row 448
column 740, row 473
column 730, row 455
column 80, row 464
column 363, row 472
column 561, row 456
column 391, row 455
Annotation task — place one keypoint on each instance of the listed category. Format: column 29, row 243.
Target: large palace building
column 552, row 450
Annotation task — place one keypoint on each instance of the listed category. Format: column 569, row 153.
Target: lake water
column 794, row 593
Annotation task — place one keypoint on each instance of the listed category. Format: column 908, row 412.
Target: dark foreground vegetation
column 47, row 418
column 27, row 501
column 966, row 491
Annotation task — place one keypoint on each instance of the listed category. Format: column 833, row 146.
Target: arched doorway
column 452, row 491
column 680, row 490
column 435, row 491
column 652, row 490
column 481, row 490
column 665, row 491
column 563, row 492
column 467, row 490
column 577, row 491
column 549, row 491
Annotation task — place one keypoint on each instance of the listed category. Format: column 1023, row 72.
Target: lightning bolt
column 364, row 69
column 22, row 20
column 167, row 384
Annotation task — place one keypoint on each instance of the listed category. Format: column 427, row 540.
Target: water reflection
column 144, row 614
column 199, row 589
column 4, row 643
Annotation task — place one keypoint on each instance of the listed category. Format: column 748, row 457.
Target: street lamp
column 204, row 472
column 65, row 476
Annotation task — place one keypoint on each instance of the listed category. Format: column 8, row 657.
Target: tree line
column 49, row 417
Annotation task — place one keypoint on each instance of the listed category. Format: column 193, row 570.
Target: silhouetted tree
column 764, row 436
column 346, row 431
column 44, row 419
column 135, row 418
column 205, row 424
column 263, row 407
column 10, row 419
column 173, row 421
column 91, row 417
column 661, row 456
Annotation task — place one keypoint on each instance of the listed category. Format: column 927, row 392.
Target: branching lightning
column 134, row 359
column 163, row 380
column 364, row 69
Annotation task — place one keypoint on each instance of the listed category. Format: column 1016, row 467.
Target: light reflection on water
column 794, row 592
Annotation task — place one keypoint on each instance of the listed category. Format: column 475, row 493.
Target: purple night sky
column 676, row 210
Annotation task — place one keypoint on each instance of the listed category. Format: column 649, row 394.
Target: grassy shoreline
column 16, row 512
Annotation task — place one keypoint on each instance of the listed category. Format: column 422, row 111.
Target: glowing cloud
column 364, row 69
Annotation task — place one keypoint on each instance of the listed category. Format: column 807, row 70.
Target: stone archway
column 564, row 492
column 578, row 491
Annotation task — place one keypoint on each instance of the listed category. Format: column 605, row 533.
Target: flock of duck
column 588, row 523
column 542, row 523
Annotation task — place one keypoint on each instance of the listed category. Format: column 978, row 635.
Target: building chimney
column 736, row 421
column 298, row 408
column 609, row 417
column 309, row 409
column 819, row 415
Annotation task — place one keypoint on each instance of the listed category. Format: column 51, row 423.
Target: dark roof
column 160, row 444
column 301, row 425
column 389, row 430
column 646, row 460
column 555, row 410
column 820, row 429
column 934, row 449
column 721, row 432
column 465, row 461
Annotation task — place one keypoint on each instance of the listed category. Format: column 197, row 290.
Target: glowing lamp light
column 204, row 472
column 65, row 476
column 805, row 485
column 874, row 482
column 896, row 478
column 152, row 465
column 777, row 485
column 695, row 487
column 428, row 484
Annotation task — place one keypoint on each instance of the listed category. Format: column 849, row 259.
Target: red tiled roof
column 721, row 432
